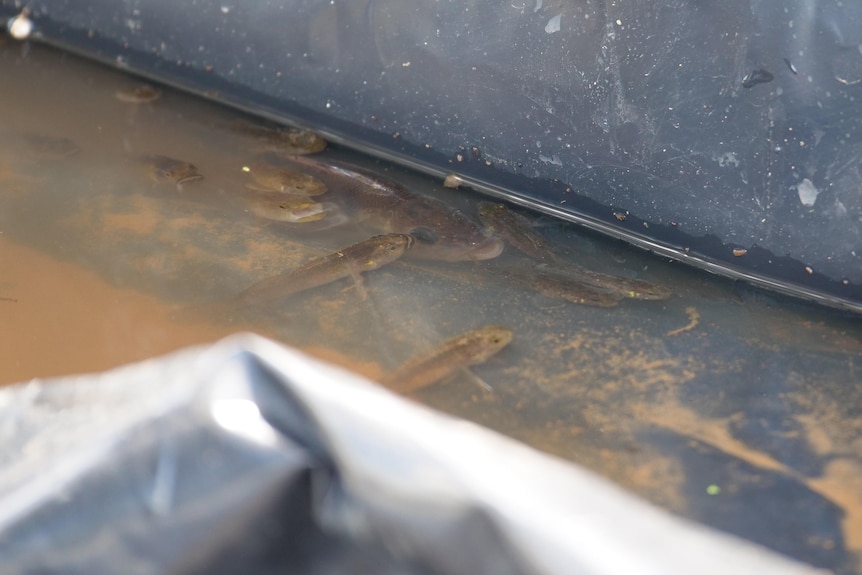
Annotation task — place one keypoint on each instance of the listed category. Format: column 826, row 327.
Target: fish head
column 490, row 211
column 489, row 340
column 295, row 210
column 390, row 247
column 271, row 175
column 444, row 234
column 166, row 169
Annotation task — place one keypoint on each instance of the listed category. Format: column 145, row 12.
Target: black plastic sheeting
column 726, row 134
column 247, row 457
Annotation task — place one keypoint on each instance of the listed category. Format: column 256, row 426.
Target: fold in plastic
column 246, row 456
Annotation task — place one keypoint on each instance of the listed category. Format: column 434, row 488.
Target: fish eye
column 424, row 235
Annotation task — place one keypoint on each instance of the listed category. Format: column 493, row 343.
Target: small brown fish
column 294, row 210
column 442, row 233
column 351, row 261
column 516, row 230
column 569, row 290
column 268, row 177
column 616, row 285
column 166, row 169
column 471, row 348
column 281, row 139
column 143, row 94
column 50, row 146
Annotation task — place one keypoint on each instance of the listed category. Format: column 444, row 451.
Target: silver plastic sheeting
column 246, row 456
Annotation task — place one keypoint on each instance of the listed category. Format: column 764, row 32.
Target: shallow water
column 724, row 404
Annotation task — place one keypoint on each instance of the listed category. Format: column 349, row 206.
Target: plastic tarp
column 246, row 456
column 726, row 135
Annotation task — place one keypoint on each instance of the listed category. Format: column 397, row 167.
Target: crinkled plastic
column 723, row 134
column 249, row 457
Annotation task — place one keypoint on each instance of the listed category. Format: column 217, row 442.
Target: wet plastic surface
column 723, row 404
column 724, row 136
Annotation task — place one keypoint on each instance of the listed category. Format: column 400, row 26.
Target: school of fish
column 287, row 183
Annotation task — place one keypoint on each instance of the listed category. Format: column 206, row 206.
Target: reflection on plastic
column 323, row 489
column 243, row 417
column 164, row 486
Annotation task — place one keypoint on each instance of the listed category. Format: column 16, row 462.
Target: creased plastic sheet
column 246, row 456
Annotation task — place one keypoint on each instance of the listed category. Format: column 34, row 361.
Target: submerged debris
column 755, row 77
column 693, row 321
column 452, row 181
column 21, row 26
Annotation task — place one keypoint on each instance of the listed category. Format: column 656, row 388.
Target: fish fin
column 477, row 380
column 359, row 284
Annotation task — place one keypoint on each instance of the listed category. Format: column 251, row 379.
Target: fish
column 50, row 146
column 269, row 177
column 573, row 291
column 516, row 230
column 142, row 94
column 351, row 261
column 441, row 232
column 171, row 170
column 470, row 348
column 281, row 208
column 616, row 285
column 524, row 278
column 280, row 139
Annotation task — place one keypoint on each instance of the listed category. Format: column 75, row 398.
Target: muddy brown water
column 723, row 404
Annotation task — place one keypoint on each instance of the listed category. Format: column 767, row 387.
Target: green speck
column 713, row 489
